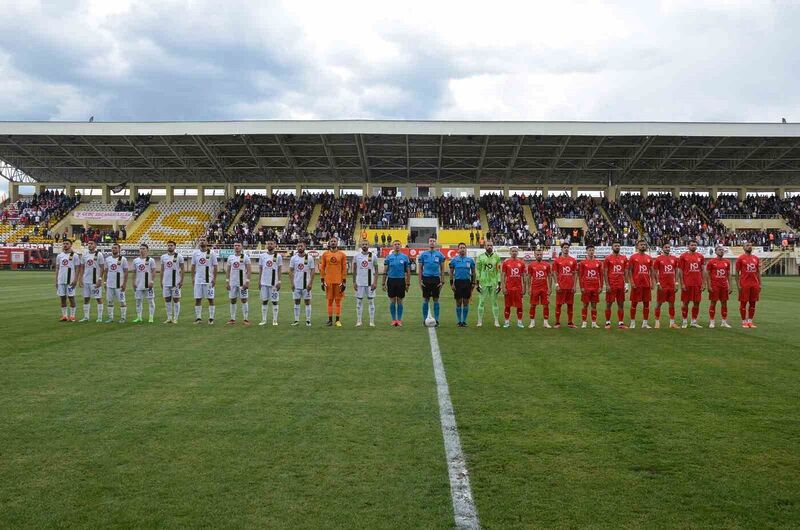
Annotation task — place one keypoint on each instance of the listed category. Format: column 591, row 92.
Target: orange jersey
column 333, row 267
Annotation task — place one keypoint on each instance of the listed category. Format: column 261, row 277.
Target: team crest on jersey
column 65, row 262
column 333, row 259
column 114, row 267
column 141, row 266
column 202, row 261
column 269, row 263
column 365, row 264
column 169, row 264
column 235, row 264
column 300, row 266
column 89, row 262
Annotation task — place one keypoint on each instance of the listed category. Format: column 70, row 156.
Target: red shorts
column 513, row 298
column 590, row 296
column 718, row 294
column 749, row 294
column 615, row 294
column 665, row 295
column 539, row 297
column 641, row 294
column 565, row 296
column 691, row 294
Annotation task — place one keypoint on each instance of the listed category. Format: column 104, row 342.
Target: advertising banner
column 90, row 215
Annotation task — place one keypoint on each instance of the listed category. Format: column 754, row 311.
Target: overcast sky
column 674, row 60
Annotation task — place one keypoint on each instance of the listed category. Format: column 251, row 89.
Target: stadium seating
column 182, row 221
column 507, row 223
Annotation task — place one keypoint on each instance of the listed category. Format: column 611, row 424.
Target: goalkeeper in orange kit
column 333, row 274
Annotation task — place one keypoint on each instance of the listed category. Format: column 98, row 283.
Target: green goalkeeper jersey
column 488, row 269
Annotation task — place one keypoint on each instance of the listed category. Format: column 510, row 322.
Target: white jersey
column 302, row 267
column 204, row 263
column 366, row 268
column 115, row 268
column 270, row 265
column 68, row 263
column 92, row 266
column 145, row 272
column 238, row 267
column 172, row 264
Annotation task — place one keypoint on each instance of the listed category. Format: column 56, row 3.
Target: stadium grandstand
column 522, row 183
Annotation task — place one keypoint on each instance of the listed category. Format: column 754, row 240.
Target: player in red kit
column 718, row 272
column 748, row 280
column 590, row 273
column 640, row 269
column 540, row 280
column 615, row 268
column 565, row 268
column 665, row 268
column 512, row 275
column 690, row 275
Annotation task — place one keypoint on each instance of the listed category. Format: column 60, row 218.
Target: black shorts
column 396, row 287
column 431, row 287
column 462, row 289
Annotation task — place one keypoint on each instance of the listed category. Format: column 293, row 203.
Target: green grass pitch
column 156, row 426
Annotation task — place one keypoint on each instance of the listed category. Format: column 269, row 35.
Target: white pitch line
column 464, row 512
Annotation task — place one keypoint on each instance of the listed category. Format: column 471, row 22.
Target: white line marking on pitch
column 463, row 506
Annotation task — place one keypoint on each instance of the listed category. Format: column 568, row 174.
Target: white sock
column 123, row 312
column 99, row 310
column 151, row 307
column 308, row 312
column 111, row 311
column 87, row 309
column 246, row 310
column 263, row 312
column 169, row 309
column 72, row 311
column 198, row 311
column 63, row 311
column 275, row 313
column 176, row 310
column 212, row 309
column 296, row 312
column 359, row 308
column 233, row 311
column 139, row 308
column 371, row 310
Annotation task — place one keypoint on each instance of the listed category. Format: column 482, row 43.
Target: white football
column 430, row 321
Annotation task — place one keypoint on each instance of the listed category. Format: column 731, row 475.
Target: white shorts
column 112, row 293
column 203, row 290
column 90, row 291
column 270, row 293
column 238, row 292
column 304, row 294
column 65, row 289
column 144, row 293
column 365, row 291
column 171, row 292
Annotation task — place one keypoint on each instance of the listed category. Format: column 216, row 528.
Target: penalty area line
column 464, row 512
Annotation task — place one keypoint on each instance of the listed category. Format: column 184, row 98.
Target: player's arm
column 79, row 272
column 311, row 275
column 738, row 269
column 605, row 276
column 452, row 276
column 374, row 266
column 575, row 276
column 441, row 273
column 248, row 270
column 354, row 269
column 193, row 267
column 707, row 276
column 679, row 275
column 407, row 265
column 473, row 273
column 125, row 271
column 279, row 271
column 420, row 264
column 343, row 272
column 152, row 279
column 214, row 268
column 654, row 275
column 181, row 271
column 323, row 265
column 103, row 275
column 758, row 273
column 161, row 273
column 503, row 279
column 58, row 267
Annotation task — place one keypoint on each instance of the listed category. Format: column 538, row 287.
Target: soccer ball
column 430, row 321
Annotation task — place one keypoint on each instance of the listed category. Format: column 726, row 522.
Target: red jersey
column 719, row 270
column 747, row 267
column 615, row 265
column 513, row 269
column 640, row 266
column 539, row 272
column 666, row 267
column 691, row 265
column 565, row 267
column 590, row 272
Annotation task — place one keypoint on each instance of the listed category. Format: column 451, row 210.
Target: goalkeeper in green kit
column 488, row 272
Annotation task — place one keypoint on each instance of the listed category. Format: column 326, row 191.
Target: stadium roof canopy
column 425, row 152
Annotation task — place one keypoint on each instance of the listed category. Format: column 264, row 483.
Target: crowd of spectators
column 383, row 212
column 458, row 212
column 337, row 219
column 137, row 207
column 43, row 209
column 677, row 220
column 753, row 207
column 100, row 235
column 506, row 219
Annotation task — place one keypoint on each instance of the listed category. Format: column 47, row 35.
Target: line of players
column 489, row 275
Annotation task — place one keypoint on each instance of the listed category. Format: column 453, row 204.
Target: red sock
column 608, row 313
column 558, row 313
column 724, row 310
column 712, row 310
column 658, row 312
column 684, row 310
column 751, row 312
column 532, row 312
column 621, row 313
column 507, row 312
column 594, row 314
column 584, row 310
column 519, row 313
column 672, row 312
column 646, row 310
column 743, row 310
column 546, row 311
column 634, row 305
column 338, row 304
column 695, row 310
column 330, row 308
column 570, row 312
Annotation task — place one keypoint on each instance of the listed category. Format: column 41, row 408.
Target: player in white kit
column 301, row 267
column 204, row 269
column 171, row 282
column 115, row 274
column 92, row 279
column 68, row 265
column 238, row 282
column 143, row 283
column 365, row 281
column 271, row 265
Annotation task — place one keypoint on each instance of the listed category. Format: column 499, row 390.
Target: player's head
column 203, row 244
column 301, row 247
column 748, row 247
column 565, row 248
column 115, row 249
column 641, row 245
column 237, row 247
column 92, row 245
column 333, row 243
column 396, row 245
column 432, row 243
column 171, row 247
column 143, row 249
column 462, row 249
column 538, row 254
column 590, row 251
column 692, row 246
column 364, row 245
column 270, row 245
column 67, row 245
column 719, row 250
column 488, row 246
column 615, row 247
column 514, row 252
column 666, row 248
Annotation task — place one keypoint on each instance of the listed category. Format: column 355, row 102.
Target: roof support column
column 676, row 191
column 298, row 190
column 713, row 192
column 269, row 190
column 337, row 192
column 408, row 191
column 366, row 190
column 476, row 192
column 40, row 188
column 506, row 190
column 201, row 194
column 545, row 192
column 169, row 189
column 780, row 193
column 134, row 192
column 574, row 192
column 230, row 191
column 13, row 191
column 106, row 194
column 69, row 190
column 742, row 193
column 612, row 193
column 645, row 192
